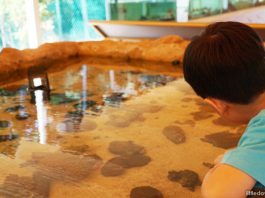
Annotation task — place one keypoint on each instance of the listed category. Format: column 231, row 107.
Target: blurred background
column 29, row 23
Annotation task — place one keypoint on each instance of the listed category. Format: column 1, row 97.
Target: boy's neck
column 251, row 110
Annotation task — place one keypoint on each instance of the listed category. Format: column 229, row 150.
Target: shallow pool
column 109, row 131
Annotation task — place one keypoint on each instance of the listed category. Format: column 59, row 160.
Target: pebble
column 85, row 104
column 131, row 161
column 125, row 148
column 15, row 108
column 222, row 139
column 22, row 116
column 4, row 124
column 111, row 170
column 187, row 178
column 145, row 192
column 175, row 134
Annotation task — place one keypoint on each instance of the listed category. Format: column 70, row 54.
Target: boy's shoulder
column 249, row 155
column 255, row 131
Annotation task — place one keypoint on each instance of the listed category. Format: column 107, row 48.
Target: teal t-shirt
column 249, row 155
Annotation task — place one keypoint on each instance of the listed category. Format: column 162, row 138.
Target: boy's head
column 226, row 64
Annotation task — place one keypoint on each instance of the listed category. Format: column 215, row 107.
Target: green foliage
column 67, row 24
column 13, row 26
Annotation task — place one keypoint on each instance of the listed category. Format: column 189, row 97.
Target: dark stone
column 152, row 81
column 126, row 119
column 88, row 125
column 96, row 109
column 70, row 125
column 125, row 148
column 223, row 139
column 22, row 116
column 8, row 137
column 73, row 122
column 201, row 115
column 4, row 124
column 75, row 114
column 130, row 161
column 205, row 110
column 145, row 192
column 223, row 122
column 114, row 98
column 4, row 92
column 15, row 108
column 175, row 62
column 208, row 165
column 61, row 98
column 204, row 106
column 85, row 105
column 187, row 178
column 111, row 170
column 175, row 134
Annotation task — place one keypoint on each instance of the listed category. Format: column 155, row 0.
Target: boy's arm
column 224, row 181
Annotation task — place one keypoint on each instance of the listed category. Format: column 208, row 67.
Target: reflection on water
column 76, row 93
column 41, row 115
column 105, row 128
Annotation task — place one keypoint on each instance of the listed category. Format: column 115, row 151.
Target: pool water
column 109, row 131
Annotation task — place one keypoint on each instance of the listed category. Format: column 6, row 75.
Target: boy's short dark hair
column 227, row 62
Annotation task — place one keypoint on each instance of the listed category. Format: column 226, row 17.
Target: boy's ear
column 220, row 106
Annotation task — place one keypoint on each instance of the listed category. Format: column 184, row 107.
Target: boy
column 225, row 65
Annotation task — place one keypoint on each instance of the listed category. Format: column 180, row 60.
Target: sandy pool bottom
column 163, row 142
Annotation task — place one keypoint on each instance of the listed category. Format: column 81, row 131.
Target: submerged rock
column 175, row 62
column 22, row 116
column 125, row 119
column 131, row 155
column 187, row 178
column 61, row 98
column 114, row 98
column 222, row 139
column 4, row 124
column 75, row 114
column 145, row 192
column 125, row 148
column 223, row 122
column 8, row 137
column 4, row 92
column 175, row 134
column 15, row 108
column 130, row 161
column 85, row 104
column 201, row 115
column 151, row 81
column 111, row 170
